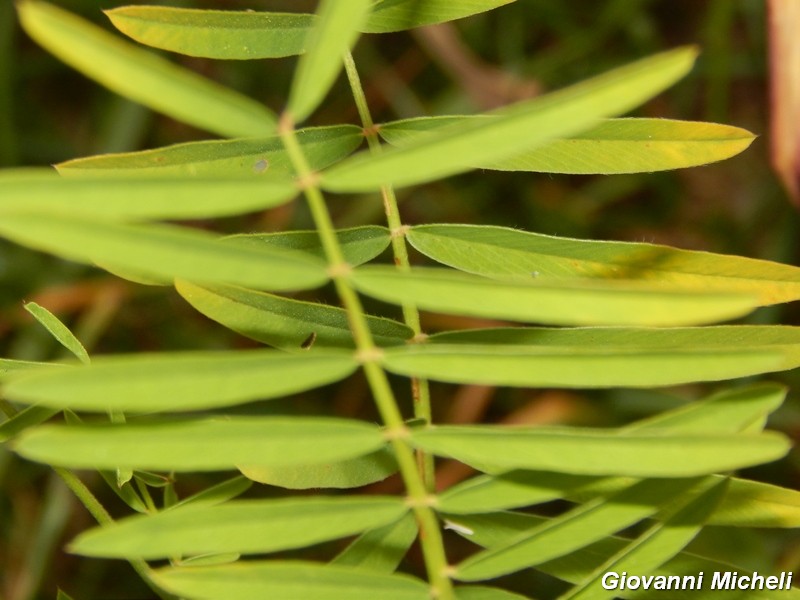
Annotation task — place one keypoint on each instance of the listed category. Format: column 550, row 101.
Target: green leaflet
column 243, row 35
column 515, row 129
column 334, row 33
column 244, row 526
column 130, row 197
column 574, row 366
column 163, row 251
column 754, row 504
column 574, row 529
column 655, row 546
column 350, row 473
column 570, row 302
column 380, row 550
column 58, row 330
column 599, row 356
column 62, row 595
column 263, row 160
column 586, row 302
column 288, row 580
column 9, row 366
column 179, row 381
column 359, row 244
column 500, row 252
column 492, row 529
column 282, row 322
column 142, row 76
column 713, row 349
column 613, row 146
column 177, row 445
column 396, row 15
column 214, row 33
column 599, row 452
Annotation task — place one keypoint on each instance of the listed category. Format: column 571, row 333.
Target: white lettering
column 613, row 584
column 721, row 581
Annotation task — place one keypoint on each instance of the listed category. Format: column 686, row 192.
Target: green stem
column 103, row 518
column 419, row 387
column 369, row 355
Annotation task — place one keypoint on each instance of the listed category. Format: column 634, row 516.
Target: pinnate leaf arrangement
column 606, row 315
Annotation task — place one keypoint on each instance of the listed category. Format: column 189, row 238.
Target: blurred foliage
column 48, row 113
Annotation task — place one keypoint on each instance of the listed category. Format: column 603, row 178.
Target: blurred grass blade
column 282, row 322
column 515, row 129
column 164, row 251
column 574, row 529
column 489, row 530
column 333, row 34
column 656, row 546
column 396, row 15
column 228, row 35
column 183, row 445
column 359, row 244
column 505, row 253
column 285, row 579
column 611, row 147
column 142, row 76
column 244, row 526
column 180, row 380
column 349, row 473
column 131, row 196
column 584, row 302
column 600, row 451
column 58, row 330
column 260, row 158
column 380, row 550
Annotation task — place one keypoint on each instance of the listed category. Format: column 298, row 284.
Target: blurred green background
column 49, row 113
